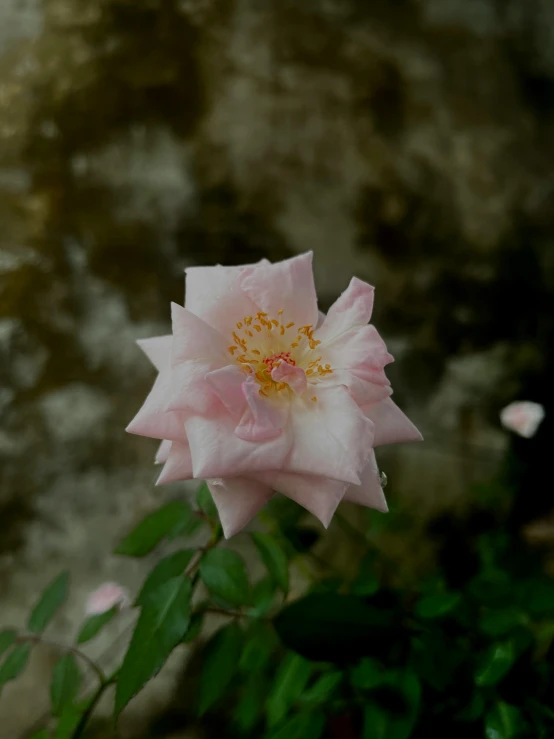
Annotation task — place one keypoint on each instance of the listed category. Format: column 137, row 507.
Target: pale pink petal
column 352, row 309
column 331, row 436
column 189, row 391
column 360, row 385
column 238, row 500
column 295, row 377
column 319, row 495
column 163, row 450
column 369, row 492
column 194, row 339
column 178, row 465
column 158, row 350
column 263, row 418
column 218, row 452
column 214, row 294
column 227, row 385
column 287, row 285
column 153, row 419
column 391, row 425
column 105, row 597
column 523, row 417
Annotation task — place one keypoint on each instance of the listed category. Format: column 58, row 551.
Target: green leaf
column 49, row 602
column 152, row 529
column 66, row 681
column 15, row 663
column 290, row 681
column 437, row 605
column 396, row 722
column 274, row 559
column 162, row 623
column 322, row 690
column 224, row 574
column 259, row 647
column 94, row 624
column 195, row 627
column 501, row 621
column 219, row 665
column 41, row 734
column 168, row 568
column 366, row 582
column 474, row 710
column 330, row 627
column 496, row 663
column 367, row 674
column 302, row 726
column 7, row 638
column 67, row 723
column 250, row 705
column 503, row 722
column 205, row 502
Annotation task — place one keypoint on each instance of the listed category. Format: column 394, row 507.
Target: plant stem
column 81, row 726
column 36, row 639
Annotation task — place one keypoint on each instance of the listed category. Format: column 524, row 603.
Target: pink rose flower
column 523, row 417
column 105, row 597
column 259, row 392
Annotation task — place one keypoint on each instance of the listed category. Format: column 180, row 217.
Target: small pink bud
column 522, row 417
column 105, row 597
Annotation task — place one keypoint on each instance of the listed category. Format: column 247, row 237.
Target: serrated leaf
column 162, row 623
column 274, row 559
column 496, row 663
column 220, row 663
column 437, row 605
column 303, row 726
column 169, row 567
column 224, row 574
column 7, row 638
column 503, row 722
column 152, row 529
column 66, row 682
column 331, row 627
column 290, row 681
column 51, row 599
column 205, row 502
column 15, row 663
column 94, row 624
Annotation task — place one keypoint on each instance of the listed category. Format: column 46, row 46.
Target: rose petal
column 178, row 465
column 369, row 492
column 523, row 417
column 287, row 285
column 319, row 495
column 163, row 450
column 295, row 377
column 352, row 309
column 152, row 419
column 238, row 500
column 227, row 385
column 391, row 425
column 264, row 418
column 195, row 340
column 105, row 597
column 158, row 350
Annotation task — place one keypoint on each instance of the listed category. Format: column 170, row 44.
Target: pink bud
column 105, row 597
column 523, row 417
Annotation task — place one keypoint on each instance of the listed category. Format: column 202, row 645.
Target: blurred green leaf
column 94, row 624
column 367, row 674
column 437, row 605
column 195, row 627
column 250, row 705
column 51, row 599
column 259, row 646
column 301, row 538
column 169, row 567
column 263, row 596
column 7, row 638
column 330, row 627
column 501, row 621
column 496, row 663
column 66, row 682
column 274, row 559
column 290, row 681
column 205, row 502
column 41, row 734
column 303, row 726
column 503, row 722
column 162, row 623
column 538, row 597
column 322, row 690
column 394, row 723
column 14, row 664
column 67, row 723
column 474, row 710
column 366, row 582
column 152, row 529
column 221, row 658
column 224, row 574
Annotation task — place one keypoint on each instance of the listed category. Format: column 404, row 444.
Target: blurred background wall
column 409, row 142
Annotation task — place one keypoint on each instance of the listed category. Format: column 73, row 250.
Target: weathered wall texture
column 409, row 142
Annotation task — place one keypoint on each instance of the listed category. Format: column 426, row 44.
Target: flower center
column 262, row 343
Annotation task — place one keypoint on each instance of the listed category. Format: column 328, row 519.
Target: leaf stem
column 95, row 699
column 37, row 639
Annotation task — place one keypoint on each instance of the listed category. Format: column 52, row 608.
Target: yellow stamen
column 239, row 325
column 314, row 399
column 258, row 328
column 282, row 330
column 280, row 312
column 281, row 386
column 294, row 344
column 309, row 372
column 249, row 333
column 232, row 349
column 290, row 325
column 255, row 351
column 274, row 322
column 248, row 320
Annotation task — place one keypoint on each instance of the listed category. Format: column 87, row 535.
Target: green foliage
column 169, row 520
column 220, row 663
column 223, row 573
column 302, row 726
column 51, row 599
column 169, row 567
column 65, row 685
column 162, row 624
column 94, row 624
column 205, row 502
column 290, row 681
column 7, row 638
column 274, row 559
column 14, row 663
